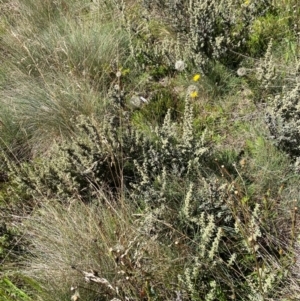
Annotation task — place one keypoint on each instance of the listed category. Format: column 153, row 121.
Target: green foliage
column 13, row 245
column 265, row 27
column 10, row 292
column 10, row 289
column 154, row 113
column 182, row 203
column 175, row 149
column 218, row 224
column 74, row 167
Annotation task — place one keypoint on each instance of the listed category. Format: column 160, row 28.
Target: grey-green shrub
column 195, row 31
column 283, row 112
column 111, row 154
column 222, row 233
column 283, row 123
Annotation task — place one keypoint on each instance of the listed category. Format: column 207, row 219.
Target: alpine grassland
column 149, row 150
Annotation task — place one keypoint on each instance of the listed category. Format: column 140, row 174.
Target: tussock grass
column 45, row 114
column 67, row 242
column 78, row 236
column 61, row 64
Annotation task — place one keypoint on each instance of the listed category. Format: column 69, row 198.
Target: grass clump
column 38, row 97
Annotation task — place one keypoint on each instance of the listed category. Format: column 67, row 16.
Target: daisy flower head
column 196, row 77
column 194, row 94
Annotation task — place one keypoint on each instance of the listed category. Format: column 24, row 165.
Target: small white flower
column 180, row 65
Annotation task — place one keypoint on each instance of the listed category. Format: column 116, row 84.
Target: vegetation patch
column 149, row 150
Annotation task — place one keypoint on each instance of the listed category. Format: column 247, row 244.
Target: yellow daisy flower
column 196, row 77
column 194, row 94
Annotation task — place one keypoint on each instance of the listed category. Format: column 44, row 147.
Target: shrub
column 282, row 116
column 196, row 30
column 283, row 121
column 103, row 155
column 223, row 231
